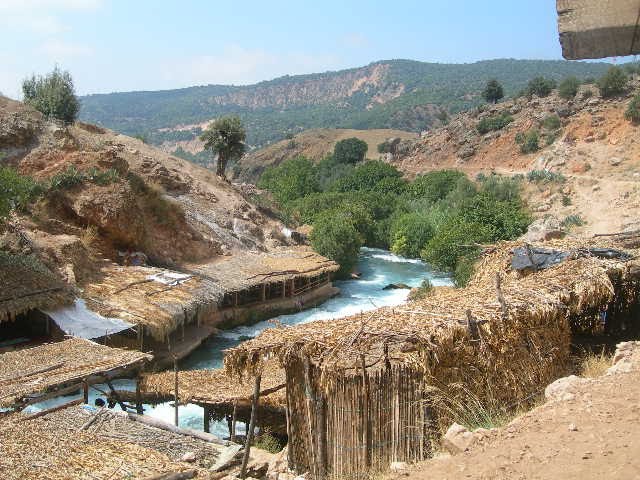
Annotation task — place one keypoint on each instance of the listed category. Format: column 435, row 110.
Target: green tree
column 350, row 150
column 493, row 91
column 335, row 236
column 633, row 109
column 540, row 86
column 290, row 180
column 225, row 138
column 568, row 88
column 436, row 185
column 613, row 83
column 409, row 233
column 366, row 177
column 53, row 95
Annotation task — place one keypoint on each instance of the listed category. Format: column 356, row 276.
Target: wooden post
column 365, row 413
column 85, row 392
column 284, row 288
column 264, row 292
column 141, row 336
column 310, row 399
column 207, row 419
column 234, row 417
column 175, row 394
column 252, row 424
column 183, row 328
column 139, row 408
column 235, row 299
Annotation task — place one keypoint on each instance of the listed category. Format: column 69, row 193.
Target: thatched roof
column 244, row 271
column 433, row 332
column 26, row 284
column 132, row 294
column 598, row 28
column 34, row 371
column 129, row 293
column 214, row 387
column 54, row 447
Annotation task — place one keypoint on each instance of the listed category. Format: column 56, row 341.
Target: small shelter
column 32, row 375
column 598, row 28
column 370, row 389
column 223, row 398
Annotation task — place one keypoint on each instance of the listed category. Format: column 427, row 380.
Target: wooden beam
column 207, row 420
column 175, row 391
column 252, row 426
column 78, row 401
column 154, row 422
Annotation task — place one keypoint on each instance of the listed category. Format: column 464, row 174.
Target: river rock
column 457, row 439
column 397, row 286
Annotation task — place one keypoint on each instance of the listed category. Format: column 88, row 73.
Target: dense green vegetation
column 613, row 83
column 53, row 95
column 633, row 109
column 350, row 150
column 450, row 87
column 441, row 216
column 496, row 122
column 568, row 88
column 16, row 191
column 540, row 86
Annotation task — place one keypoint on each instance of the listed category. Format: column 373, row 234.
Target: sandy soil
column 595, row 435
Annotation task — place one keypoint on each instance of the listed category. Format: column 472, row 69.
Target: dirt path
column 595, row 435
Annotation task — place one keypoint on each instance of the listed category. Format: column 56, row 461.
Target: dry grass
column 88, row 238
column 595, row 364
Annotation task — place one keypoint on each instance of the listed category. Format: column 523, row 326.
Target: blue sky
column 120, row 45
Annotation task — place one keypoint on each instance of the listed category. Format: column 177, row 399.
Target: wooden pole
column 141, row 336
column 234, row 418
column 365, row 413
column 252, row 424
column 139, row 408
column 175, row 392
column 85, row 391
column 501, row 300
column 207, row 419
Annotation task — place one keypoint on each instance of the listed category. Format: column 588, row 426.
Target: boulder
column 623, row 359
column 543, row 229
column 466, row 152
column 615, row 161
column 188, row 457
column 565, row 388
column 458, row 439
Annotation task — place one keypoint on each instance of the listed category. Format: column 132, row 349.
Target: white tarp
column 169, row 278
column 77, row 320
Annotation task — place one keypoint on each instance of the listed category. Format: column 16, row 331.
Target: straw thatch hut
column 35, row 374
column 370, row 389
column 26, row 286
column 223, row 398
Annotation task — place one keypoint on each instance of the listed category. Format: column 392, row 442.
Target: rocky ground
column 587, row 429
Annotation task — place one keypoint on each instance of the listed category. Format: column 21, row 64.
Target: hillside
column 312, row 144
column 398, row 94
column 587, row 170
column 108, row 194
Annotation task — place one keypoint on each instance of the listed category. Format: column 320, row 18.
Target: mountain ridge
column 398, row 94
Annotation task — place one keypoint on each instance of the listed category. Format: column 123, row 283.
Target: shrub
column 572, row 221
column 68, row 178
column 568, row 88
column 497, row 122
column 452, row 242
column 464, row 270
column 290, row 180
column 566, row 200
column 633, row 110
column 409, row 233
column 540, row 86
column 612, row 83
column 588, row 93
column 434, row 186
column 551, row 122
column 350, row 150
column 335, row 237
column 545, row 176
column 53, row 95
column 16, row 191
column 424, row 290
column 365, row 177
column 530, row 142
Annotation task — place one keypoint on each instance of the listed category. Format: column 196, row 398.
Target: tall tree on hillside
column 350, row 150
column 225, row 137
column 493, row 91
column 53, row 95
